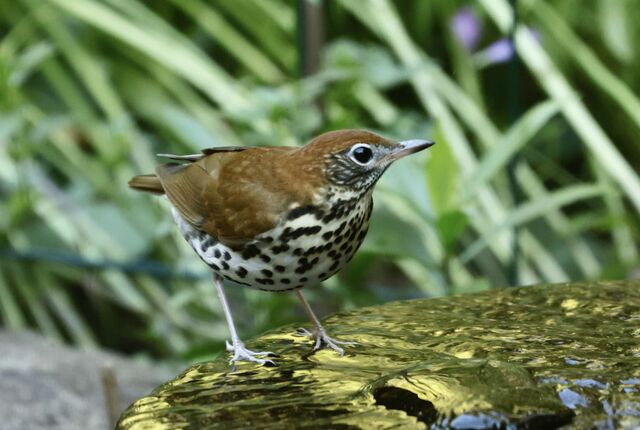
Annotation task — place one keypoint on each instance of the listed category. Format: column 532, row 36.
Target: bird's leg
column 318, row 333
column 240, row 353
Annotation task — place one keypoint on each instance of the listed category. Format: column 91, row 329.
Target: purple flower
column 499, row 51
column 467, row 28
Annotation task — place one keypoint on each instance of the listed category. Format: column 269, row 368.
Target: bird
column 277, row 218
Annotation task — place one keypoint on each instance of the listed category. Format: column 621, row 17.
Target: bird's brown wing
column 235, row 196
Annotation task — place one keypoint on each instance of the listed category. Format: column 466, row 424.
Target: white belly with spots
column 302, row 251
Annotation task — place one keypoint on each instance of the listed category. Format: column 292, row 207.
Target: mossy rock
column 533, row 357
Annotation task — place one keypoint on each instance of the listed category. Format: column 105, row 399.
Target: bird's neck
column 339, row 196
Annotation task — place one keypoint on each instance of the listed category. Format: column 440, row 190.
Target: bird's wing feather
column 235, row 196
column 204, row 153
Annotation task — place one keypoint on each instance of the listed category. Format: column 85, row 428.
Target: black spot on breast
column 227, row 256
column 280, row 268
column 330, row 217
column 266, row 272
column 225, row 266
column 265, row 258
column 304, row 279
column 313, row 230
column 208, row 242
column 216, row 253
column 327, row 235
column 279, row 249
column 298, row 251
column 314, row 250
column 322, row 275
column 304, row 265
column 265, row 281
column 242, row 272
column 285, row 281
column 289, row 234
column 353, row 234
column 214, row 267
column 250, row 251
column 300, row 211
column 334, row 266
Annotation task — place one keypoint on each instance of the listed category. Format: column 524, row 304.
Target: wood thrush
column 277, row 218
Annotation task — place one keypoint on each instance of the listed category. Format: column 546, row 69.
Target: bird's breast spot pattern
column 302, row 251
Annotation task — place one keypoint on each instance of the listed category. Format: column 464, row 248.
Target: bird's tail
column 148, row 183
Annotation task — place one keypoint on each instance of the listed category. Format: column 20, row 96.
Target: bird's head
column 357, row 158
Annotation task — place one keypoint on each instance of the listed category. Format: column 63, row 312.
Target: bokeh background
column 534, row 177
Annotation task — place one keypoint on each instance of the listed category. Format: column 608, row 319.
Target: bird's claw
column 241, row 353
column 323, row 340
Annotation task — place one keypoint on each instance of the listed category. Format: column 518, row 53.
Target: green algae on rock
column 533, row 357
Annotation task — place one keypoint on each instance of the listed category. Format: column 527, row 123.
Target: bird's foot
column 241, row 353
column 324, row 341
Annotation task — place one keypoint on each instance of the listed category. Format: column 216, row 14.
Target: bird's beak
column 407, row 147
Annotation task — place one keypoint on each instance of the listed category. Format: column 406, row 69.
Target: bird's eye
column 361, row 154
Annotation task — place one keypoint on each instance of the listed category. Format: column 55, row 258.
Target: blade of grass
column 559, row 89
column 275, row 40
column 488, row 135
column 12, row 316
column 588, row 61
column 30, row 291
column 534, row 209
column 431, row 283
column 546, row 262
column 170, row 50
column 232, row 40
column 558, row 221
column 513, row 141
column 622, row 235
column 66, row 312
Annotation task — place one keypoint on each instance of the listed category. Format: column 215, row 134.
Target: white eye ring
column 361, row 154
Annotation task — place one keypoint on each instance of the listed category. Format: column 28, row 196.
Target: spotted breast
column 309, row 245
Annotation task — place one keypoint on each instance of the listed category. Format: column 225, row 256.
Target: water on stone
column 544, row 357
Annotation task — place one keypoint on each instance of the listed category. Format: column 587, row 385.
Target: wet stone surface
column 544, row 357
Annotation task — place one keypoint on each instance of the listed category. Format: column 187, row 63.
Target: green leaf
column 450, row 226
column 443, row 175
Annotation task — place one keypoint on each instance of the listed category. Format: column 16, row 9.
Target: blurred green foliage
column 90, row 90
